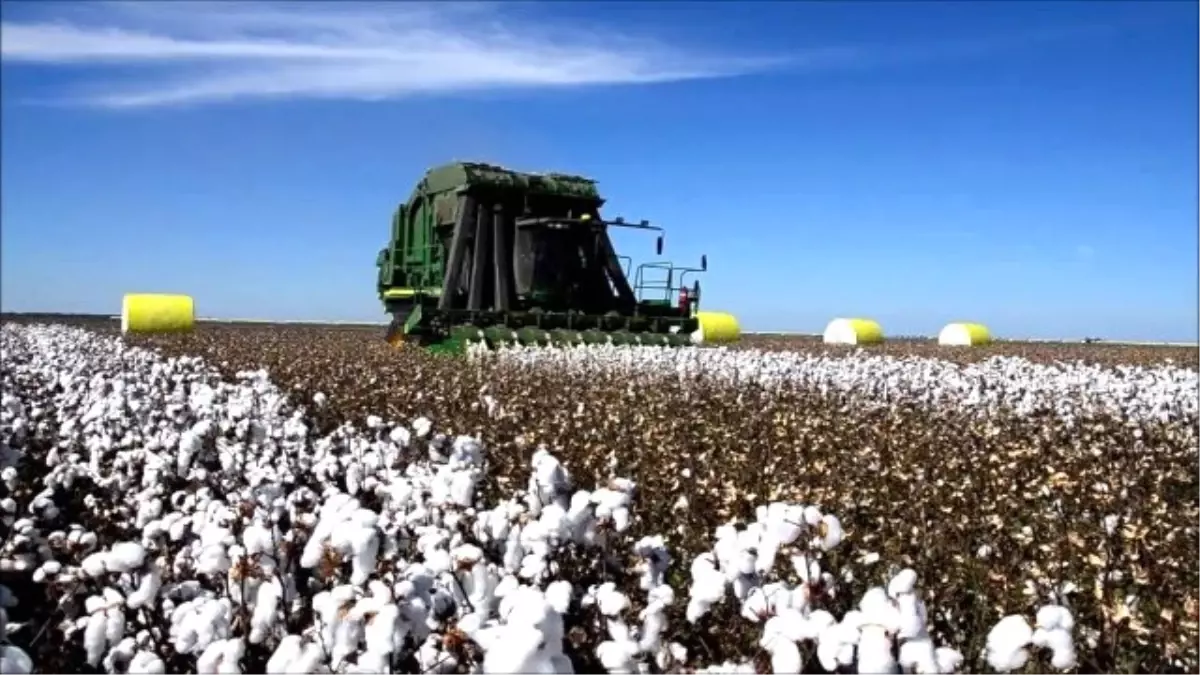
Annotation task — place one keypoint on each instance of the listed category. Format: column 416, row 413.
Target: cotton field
column 308, row 500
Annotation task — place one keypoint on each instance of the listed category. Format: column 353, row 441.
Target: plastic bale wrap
column 853, row 332
column 716, row 328
column 962, row 334
column 157, row 313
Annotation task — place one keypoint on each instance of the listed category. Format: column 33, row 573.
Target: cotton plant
column 1160, row 393
column 1009, row 642
column 214, row 516
column 886, row 632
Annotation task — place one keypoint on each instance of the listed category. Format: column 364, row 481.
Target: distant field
column 1039, row 351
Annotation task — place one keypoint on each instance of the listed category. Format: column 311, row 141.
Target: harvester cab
column 480, row 253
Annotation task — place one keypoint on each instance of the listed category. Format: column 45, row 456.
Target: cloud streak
column 195, row 53
column 190, row 53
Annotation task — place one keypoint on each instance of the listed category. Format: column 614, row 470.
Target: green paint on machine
column 480, row 253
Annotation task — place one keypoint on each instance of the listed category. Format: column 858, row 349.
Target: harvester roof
column 459, row 175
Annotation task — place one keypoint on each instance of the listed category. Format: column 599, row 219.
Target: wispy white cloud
column 191, row 53
column 181, row 53
column 1085, row 252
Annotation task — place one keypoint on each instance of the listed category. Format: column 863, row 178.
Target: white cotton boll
column 364, row 544
column 147, row 590
column 257, row 539
column 119, row 655
column 620, row 518
column 94, row 642
column 480, row 585
column 746, row 562
column 94, row 565
column 917, row 656
column 14, row 660
column 189, row 446
column 836, row 645
column 1006, row 644
column 285, row 654
column 438, row 561
column 755, row 606
column 875, row 651
column 707, row 587
column 878, row 610
column 231, row 656
column 742, row 584
column 380, row 630
column 178, row 528
column 370, row 662
column 788, row 623
column 830, row 533
column 528, row 607
column 1055, row 616
column 812, row 516
column 654, row 624
column 142, row 663
column 553, row 520
column 1061, row 644
column 778, row 595
column 785, row 522
column 768, row 550
column 310, row 660
column 114, row 625
column 785, row 655
column 421, row 426
column 948, row 659
column 815, row 623
column 513, row 650
column 903, row 583
column 462, row 487
column 211, row 660
column 608, row 599
column 558, row 594
column 800, row 597
column 617, row 657
column 266, row 603
column 808, row 569
column 912, row 615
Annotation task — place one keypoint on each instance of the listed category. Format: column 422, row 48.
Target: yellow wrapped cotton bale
column 716, row 328
column 157, row 313
column 964, row 335
column 853, row 332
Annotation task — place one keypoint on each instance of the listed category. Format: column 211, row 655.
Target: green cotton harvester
column 480, row 253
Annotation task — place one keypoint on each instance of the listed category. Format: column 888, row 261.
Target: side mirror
column 696, row 290
column 703, row 263
column 658, row 245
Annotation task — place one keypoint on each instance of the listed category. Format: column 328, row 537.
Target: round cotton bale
column 716, row 328
column 853, row 332
column 157, row 313
column 962, row 334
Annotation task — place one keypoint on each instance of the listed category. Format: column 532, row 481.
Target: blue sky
column 1029, row 165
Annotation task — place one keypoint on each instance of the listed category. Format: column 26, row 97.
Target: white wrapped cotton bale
column 961, row 334
column 853, row 332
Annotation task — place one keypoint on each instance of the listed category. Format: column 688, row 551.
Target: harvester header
column 484, row 253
